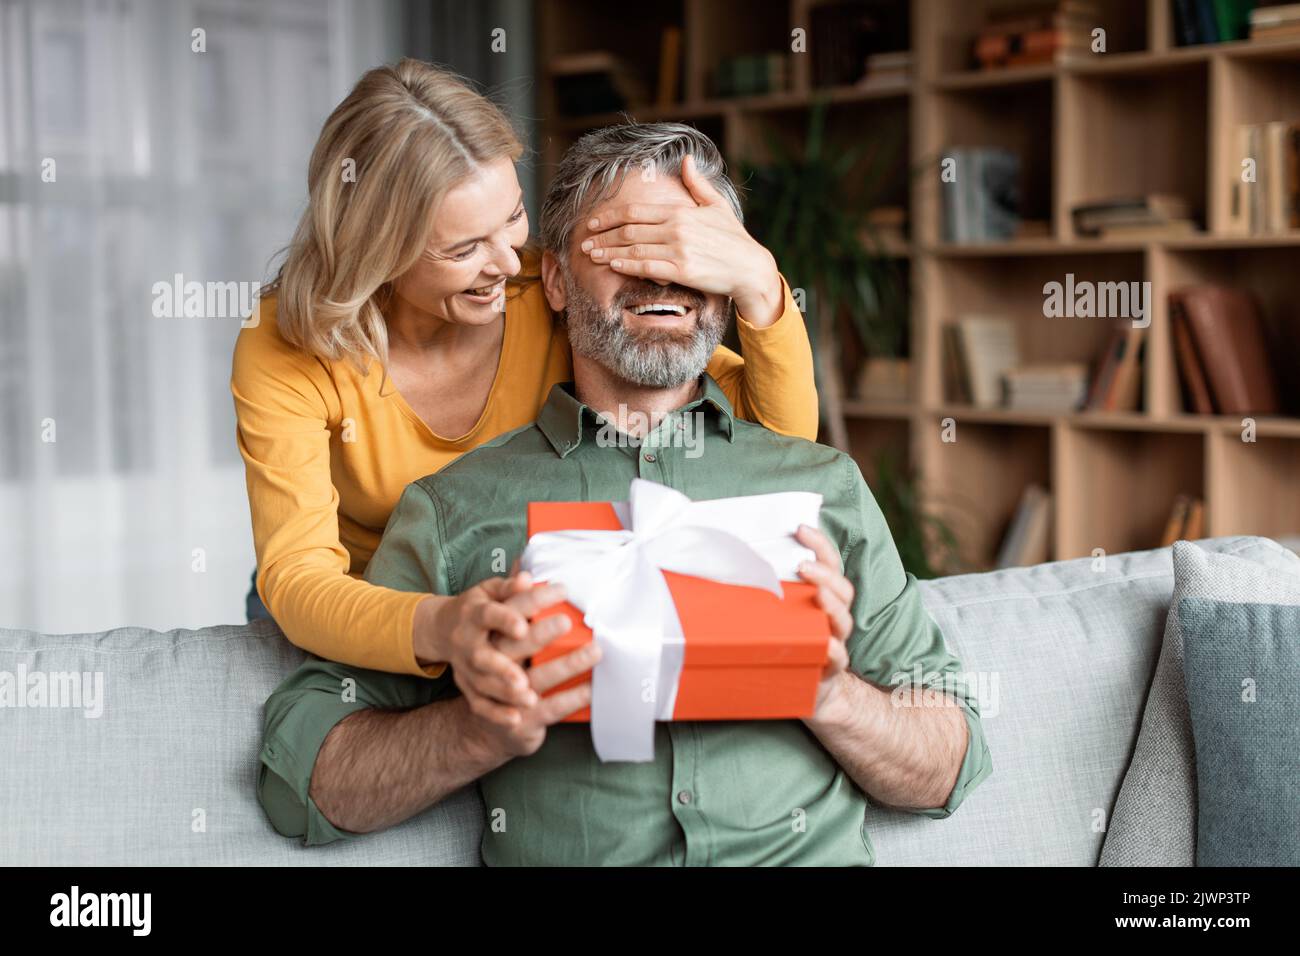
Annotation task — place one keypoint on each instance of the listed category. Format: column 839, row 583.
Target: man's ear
column 553, row 281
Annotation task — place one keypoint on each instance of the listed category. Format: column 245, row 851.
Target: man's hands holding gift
column 835, row 595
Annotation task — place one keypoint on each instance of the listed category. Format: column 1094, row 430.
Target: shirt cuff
column 298, row 722
column 410, row 663
column 975, row 766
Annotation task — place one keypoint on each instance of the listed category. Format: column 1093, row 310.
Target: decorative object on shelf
column 1228, row 347
column 1036, row 33
column 597, row 82
column 1028, row 536
column 885, row 381
column 926, row 544
column 751, row 74
column 1153, row 216
column 809, row 207
column 983, row 203
column 1280, row 22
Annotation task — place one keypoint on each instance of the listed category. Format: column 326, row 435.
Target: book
column 1176, row 521
column 956, row 386
column 1228, row 333
column 988, row 348
column 1026, row 541
column 1169, row 229
column 670, row 65
column 1275, row 15
column 1124, row 390
column 1238, row 221
column 1191, row 373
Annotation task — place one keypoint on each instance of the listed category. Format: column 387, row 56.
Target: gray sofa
column 1063, row 654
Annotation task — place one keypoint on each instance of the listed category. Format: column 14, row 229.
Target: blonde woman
column 406, row 327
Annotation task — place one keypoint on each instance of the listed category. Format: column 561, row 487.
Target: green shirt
column 717, row 792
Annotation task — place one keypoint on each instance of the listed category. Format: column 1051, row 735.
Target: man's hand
column 702, row 247
column 835, row 595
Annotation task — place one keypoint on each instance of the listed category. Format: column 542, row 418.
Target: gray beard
column 654, row 358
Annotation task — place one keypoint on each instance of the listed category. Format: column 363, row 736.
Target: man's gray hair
column 594, row 167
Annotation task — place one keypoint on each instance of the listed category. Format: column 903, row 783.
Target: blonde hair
column 408, row 134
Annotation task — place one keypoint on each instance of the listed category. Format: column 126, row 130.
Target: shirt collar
column 563, row 417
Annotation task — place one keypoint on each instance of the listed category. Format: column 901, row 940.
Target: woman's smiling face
column 460, row 277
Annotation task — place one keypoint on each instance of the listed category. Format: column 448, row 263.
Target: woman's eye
column 519, row 215
column 462, row 256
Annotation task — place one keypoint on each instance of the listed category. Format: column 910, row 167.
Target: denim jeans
column 253, row 605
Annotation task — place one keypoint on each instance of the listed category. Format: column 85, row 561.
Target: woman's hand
column 835, row 595
column 703, row 247
column 484, row 634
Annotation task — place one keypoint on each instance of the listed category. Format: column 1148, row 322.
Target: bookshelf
column 1146, row 116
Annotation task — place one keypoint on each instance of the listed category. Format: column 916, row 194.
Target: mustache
column 642, row 290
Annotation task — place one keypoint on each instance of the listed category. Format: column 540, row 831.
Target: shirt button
column 683, row 796
column 650, row 458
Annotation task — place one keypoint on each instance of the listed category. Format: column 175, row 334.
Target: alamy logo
column 102, row 909
column 1100, row 300
column 57, row 689
column 179, row 299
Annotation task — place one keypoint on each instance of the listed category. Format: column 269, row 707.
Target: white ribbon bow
column 615, row 578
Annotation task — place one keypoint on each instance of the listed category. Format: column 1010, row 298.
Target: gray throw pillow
column 1241, row 665
column 1153, row 822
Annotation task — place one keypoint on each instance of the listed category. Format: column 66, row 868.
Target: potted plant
column 811, row 207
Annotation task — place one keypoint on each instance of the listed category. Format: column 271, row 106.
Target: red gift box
column 748, row 654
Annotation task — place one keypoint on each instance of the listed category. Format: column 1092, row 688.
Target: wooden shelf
column 1147, row 117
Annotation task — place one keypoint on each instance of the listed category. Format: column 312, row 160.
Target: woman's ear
column 553, row 281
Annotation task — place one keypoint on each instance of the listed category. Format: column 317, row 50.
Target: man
column 350, row 751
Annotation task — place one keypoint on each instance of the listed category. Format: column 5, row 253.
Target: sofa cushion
column 1064, row 652
column 1154, row 821
column 1242, row 670
column 165, row 774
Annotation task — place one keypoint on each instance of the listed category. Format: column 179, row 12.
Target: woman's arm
column 773, row 383
column 302, row 566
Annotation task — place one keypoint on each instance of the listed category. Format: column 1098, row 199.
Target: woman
column 402, row 259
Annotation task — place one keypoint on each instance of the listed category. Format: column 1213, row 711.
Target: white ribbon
column 616, row 579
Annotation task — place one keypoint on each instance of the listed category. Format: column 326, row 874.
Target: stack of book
column 750, row 74
column 1281, row 22
column 887, row 69
column 1222, row 352
column 1055, row 387
column 1038, row 32
column 1212, row 21
column 1117, row 385
column 1186, row 520
column 1271, row 202
column 983, row 203
column 1027, row 539
column 1154, row 216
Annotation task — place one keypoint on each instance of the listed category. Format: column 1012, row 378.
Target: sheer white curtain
column 127, row 157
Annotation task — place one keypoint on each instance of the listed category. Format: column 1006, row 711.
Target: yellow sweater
column 327, row 457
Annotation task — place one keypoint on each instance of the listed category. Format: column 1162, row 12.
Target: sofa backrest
column 165, row 773
column 1064, row 654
